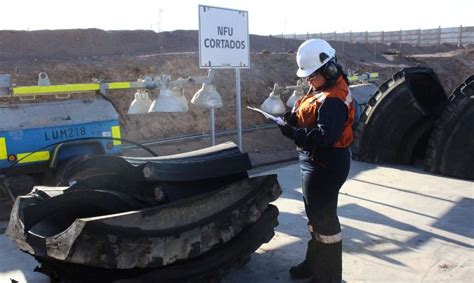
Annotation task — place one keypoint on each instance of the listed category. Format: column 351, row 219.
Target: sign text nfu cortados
column 220, row 42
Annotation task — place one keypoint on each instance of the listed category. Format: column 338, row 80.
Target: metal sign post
column 224, row 44
column 238, row 107
column 213, row 126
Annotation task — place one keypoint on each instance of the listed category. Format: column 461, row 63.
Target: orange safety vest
column 306, row 110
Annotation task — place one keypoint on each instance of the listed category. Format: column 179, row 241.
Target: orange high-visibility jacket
column 306, row 110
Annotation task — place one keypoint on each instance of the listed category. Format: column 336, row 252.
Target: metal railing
column 419, row 37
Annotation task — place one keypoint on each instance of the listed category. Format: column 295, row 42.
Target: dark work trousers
column 323, row 174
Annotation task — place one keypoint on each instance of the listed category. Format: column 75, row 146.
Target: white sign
column 223, row 38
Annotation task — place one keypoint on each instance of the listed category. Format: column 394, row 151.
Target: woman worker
column 321, row 126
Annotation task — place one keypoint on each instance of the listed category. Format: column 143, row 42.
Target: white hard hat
column 312, row 55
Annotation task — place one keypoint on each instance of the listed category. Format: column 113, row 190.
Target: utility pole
column 160, row 12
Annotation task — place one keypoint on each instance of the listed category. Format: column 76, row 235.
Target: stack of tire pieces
column 181, row 218
column 410, row 118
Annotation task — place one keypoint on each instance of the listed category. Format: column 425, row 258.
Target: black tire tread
column 209, row 267
column 437, row 159
column 372, row 143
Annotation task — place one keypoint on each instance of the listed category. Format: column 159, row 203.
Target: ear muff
column 331, row 71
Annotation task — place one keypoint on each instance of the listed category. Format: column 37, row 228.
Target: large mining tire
column 451, row 146
column 398, row 118
column 216, row 161
column 209, row 267
column 56, row 214
column 99, row 164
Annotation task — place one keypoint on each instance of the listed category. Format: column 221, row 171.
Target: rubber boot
column 304, row 270
column 328, row 264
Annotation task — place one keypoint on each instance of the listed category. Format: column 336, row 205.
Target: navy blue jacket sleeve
column 331, row 118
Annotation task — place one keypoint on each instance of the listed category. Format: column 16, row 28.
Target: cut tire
column 398, row 117
column 208, row 267
column 216, row 161
column 451, row 146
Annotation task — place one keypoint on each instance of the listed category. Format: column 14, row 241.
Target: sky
column 265, row 17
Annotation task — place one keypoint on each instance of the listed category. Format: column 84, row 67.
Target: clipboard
column 268, row 116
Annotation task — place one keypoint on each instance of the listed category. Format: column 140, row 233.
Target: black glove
column 288, row 131
column 290, row 118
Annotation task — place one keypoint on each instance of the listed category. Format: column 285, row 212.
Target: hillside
column 76, row 56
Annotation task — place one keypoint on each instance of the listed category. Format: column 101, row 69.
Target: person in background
column 320, row 124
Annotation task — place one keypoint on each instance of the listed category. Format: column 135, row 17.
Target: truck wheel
column 398, row 116
column 450, row 149
column 64, row 166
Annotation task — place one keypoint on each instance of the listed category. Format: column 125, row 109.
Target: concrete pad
column 400, row 224
column 17, row 265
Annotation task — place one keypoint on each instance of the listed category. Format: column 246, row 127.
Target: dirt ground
column 79, row 56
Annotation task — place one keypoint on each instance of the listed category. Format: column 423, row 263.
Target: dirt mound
column 77, row 56
column 62, row 44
